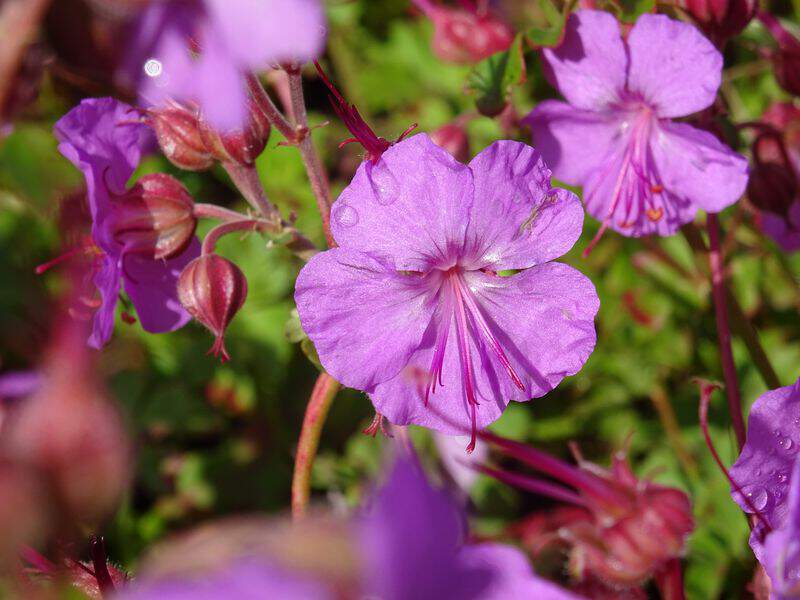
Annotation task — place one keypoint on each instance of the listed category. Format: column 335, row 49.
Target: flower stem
column 267, row 106
column 319, row 403
column 314, row 168
column 210, row 241
column 212, row 211
column 718, row 291
column 247, row 181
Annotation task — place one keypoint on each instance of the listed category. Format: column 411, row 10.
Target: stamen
column 44, row 267
column 462, row 337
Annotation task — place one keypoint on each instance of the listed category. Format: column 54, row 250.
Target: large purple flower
column 411, row 307
column 104, row 139
column 200, row 50
column 781, row 559
column 763, row 469
column 642, row 173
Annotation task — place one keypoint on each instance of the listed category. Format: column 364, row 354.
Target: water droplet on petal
column 384, row 184
column 345, row 215
column 786, row 443
column 783, row 478
column 758, row 498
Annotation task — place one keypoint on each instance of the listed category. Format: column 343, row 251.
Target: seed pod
column 721, row 20
column 213, row 289
column 453, row 138
column 178, row 134
column 155, row 217
column 241, row 146
column 464, row 37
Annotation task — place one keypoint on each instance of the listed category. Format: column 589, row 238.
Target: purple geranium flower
column 230, row 39
column 763, row 470
column 104, row 139
column 781, row 558
column 410, row 307
column 642, row 173
column 413, row 546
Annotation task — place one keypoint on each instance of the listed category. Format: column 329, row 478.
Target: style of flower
column 763, row 472
column 200, row 51
column 104, row 138
column 642, row 173
column 412, row 307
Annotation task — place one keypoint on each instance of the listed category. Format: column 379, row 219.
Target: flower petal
column 152, row 287
column 573, row 142
column 695, row 165
column 674, row 68
column 220, row 86
column 364, row 318
column 588, row 68
column 517, row 220
column 412, row 206
column 781, row 558
column 784, row 230
column 763, row 468
column 107, row 281
column 544, row 320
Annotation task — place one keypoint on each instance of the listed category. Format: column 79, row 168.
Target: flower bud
column 241, row 146
column 721, row 20
column 178, row 134
column 786, row 63
column 24, row 510
column 155, row 217
column 466, row 37
column 453, row 138
column 773, row 183
column 213, row 289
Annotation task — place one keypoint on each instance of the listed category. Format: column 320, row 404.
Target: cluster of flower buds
column 191, row 143
column 213, row 289
column 721, row 20
column 154, row 218
column 631, row 528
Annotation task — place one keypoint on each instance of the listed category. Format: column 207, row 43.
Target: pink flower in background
column 200, row 50
column 104, row 139
column 410, row 307
column 642, row 173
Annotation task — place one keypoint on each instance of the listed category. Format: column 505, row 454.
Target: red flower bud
column 241, row 146
column 721, row 20
column 213, row 289
column 178, row 134
column 787, row 68
column 453, row 138
column 465, row 37
column 773, row 184
column 155, row 217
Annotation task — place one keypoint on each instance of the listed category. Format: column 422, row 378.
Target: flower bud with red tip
column 240, row 146
column 213, row 289
column 154, row 218
column 721, row 20
column 178, row 132
column 453, row 138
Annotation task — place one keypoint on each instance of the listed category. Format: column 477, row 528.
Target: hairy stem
column 212, row 211
column 319, row 403
column 314, row 168
column 247, row 181
column 267, row 106
column 210, row 241
column 719, row 294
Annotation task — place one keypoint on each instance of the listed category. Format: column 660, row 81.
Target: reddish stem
column 319, row 404
column 100, row 564
column 267, row 106
column 785, row 39
column 670, row 581
column 210, row 241
column 716, row 263
column 212, row 211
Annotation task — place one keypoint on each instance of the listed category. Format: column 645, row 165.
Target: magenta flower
column 410, row 307
column 230, row 39
column 104, row 139
column 642, row 173
column 781, row 559
column 763, row 470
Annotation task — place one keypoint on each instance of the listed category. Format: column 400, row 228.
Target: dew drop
column 782, row 477
column 758, row 498
column 384, row 184
column 345, row 215
column 786, row 443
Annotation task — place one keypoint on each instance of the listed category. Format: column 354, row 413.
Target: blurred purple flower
column 104, row 138
column 414, row 547
column 763, row 469
column 246, row 580
column 410, row 307
column 19, row 384
column 200, row 50
column 642, row 173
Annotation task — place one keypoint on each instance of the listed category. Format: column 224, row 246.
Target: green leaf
column 493, row 78
column 630, row 10
column 550, row 24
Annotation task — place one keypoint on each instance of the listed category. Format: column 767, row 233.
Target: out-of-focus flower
column 104, row 139
column 786, row 59
column 213, row 289
column 466, row 34
column 636, row 527
column 642, row 173
column 410, row 307
column 25, row 510
column 451, row 453
column 721, row 20
column 453, row 138
column 763, row 470
column 201, row 50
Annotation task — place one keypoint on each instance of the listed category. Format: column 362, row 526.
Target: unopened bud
column 242, row 146
column 213, row 289
column 155, row 217
column 773, row 183
column 721, row 20
column 453, row 138
column 465, row 37
column 786, row 63
column 178, row 133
